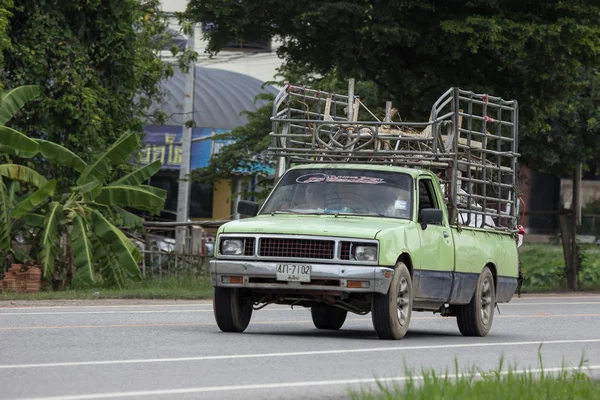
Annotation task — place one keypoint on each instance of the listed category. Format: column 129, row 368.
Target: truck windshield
column 342, row 191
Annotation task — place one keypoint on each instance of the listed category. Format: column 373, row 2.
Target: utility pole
column 183, row 194
column 575, row 222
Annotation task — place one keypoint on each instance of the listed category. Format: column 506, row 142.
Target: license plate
column 293, row 272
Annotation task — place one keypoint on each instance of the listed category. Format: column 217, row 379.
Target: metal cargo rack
column 470, row 142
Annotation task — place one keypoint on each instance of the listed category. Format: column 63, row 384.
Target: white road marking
column 133, row 312
column 550, row 304
column 287, row 385
column 205, row 304
column 294, row 354
column 105, row 312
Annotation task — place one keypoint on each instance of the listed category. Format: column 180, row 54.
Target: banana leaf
column 130, row 220
column 23, row 174
column 16, row 143
column 118, row 153
column 4, row 218
column 82, row 249
column 92, row 189
column 14, row 99
column 34, row 200
column 50, row 238
column 132, row 196
column 124, row 251
column 155, row 191
column 60, row 155
column 34, row 220
column 107, row 265
column 138, row 176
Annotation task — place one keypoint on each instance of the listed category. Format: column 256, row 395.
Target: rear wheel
column 328, row 317
column 475, row 318
column 231, row 313
column 391, row 312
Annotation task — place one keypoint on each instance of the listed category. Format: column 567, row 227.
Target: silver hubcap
column 403, row 301
column 486, row 302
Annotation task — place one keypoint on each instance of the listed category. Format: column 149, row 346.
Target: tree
column 572, row 138
column 415, row 50
column 97, row 63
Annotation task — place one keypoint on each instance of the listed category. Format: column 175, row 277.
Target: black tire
column 328, row 317
column 231, row 313
column 475, row 318
column 391, row 312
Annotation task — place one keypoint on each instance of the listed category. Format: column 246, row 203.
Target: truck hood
column 315, row 225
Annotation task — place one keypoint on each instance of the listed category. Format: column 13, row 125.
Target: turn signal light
column 232, row 279
column 358, row 284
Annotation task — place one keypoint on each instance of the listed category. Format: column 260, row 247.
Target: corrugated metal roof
column 219, row 98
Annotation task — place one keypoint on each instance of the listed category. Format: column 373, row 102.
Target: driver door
column 434, row 277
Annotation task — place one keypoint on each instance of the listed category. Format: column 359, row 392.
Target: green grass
column 571, row 384
column 182, row 287
column 543, row 266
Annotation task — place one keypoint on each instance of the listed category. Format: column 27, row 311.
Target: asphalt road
column 151, row 350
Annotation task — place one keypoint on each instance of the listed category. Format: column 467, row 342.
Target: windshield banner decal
column 318, row 177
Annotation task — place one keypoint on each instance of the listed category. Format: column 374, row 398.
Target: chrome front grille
column 296, row 248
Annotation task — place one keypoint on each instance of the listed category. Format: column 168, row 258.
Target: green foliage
column 92, row 209
column 97, row 64
column 499, row 384
column 5, row 14
column 541, row 53
column 543, row 266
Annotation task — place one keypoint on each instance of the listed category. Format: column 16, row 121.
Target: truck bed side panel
column 474, row 250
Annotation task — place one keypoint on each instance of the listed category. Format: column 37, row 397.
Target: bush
column 544, row 267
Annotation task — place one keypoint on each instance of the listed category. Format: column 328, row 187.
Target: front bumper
column 324, row 277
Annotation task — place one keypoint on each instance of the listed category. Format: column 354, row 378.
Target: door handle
column 446, row 234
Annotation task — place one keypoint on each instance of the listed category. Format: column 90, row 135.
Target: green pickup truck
column 378, row 217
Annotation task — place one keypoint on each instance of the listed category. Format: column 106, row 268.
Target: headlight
column 232, row 247
column 365, row 253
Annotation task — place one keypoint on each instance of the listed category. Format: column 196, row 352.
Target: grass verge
column 181, row 287
column 543, row 266
column 571, row 384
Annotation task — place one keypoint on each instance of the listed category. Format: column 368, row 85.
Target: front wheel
column 328, row 317
column 391, row 312
column 475, row 318
column 231, row 312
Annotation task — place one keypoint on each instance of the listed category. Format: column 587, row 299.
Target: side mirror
column 431, row 216
column 246, row 207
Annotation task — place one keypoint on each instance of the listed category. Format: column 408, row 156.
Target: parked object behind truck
column 378, row 217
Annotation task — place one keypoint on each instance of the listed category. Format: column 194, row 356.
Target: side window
column 426, row 195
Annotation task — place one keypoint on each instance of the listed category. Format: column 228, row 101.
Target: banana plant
column 87, row 213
